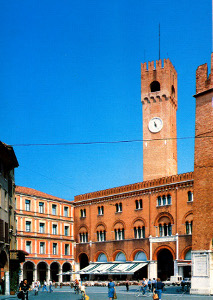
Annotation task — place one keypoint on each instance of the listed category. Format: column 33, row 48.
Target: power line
column 110, row 142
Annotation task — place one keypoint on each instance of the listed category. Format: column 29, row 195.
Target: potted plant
column 14, row 278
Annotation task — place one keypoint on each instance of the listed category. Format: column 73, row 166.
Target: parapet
column 157, row 65
column 203, row 81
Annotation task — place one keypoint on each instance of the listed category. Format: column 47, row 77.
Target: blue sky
column 70, row 73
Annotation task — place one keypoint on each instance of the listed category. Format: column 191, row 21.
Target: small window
column 42, row 248
column 27, row 205
column 118, row 207
column 190, row 196
column 66, row 230
column 83, row 213
column 66, row 211
column 28, row 246
column 41, row 207
column 54, row 248
column 28, row 226
column 100, row 210
column 41, row 227
column 66, row 249
column 54, row 229
column 54, row 209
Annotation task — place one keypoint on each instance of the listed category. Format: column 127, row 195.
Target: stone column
column 21, row 275
column 7, row 282
column 60, row 276
column 48, row 274
column 152, row 269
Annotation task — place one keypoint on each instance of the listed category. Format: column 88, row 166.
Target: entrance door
column 165, row 264
column 84, row 262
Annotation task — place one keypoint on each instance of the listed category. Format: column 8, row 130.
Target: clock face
column 155, row 124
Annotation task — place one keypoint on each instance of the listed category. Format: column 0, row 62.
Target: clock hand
column 155, row 124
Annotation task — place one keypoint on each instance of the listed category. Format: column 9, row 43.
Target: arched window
column 155, row 86
column 120, row 257
column 139, row 232
column 140, row 256
column 83, row 237
column 188, row 255
column 101, row 236
column 119, row 234
column 189, row 227
column 102, row 258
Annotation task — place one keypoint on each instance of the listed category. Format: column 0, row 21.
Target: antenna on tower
column 159, row 40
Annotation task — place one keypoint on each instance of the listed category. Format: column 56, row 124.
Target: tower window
column 155, row 86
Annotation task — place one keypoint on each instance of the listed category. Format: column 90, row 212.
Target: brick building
column 45, row 231
column 142, row 229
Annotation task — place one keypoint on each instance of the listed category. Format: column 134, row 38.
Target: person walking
column 127, row 285
column 158, row 287
column 45, row 286
column 23, row 290
column 35, row 287
column 50, row 286
column 111, row 289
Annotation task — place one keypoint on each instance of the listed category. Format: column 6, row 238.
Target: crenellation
column 151, row 66
column 203, row 81
column 158, row 64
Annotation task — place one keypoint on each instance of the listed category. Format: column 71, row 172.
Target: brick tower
column 159, row 102
column 202, row 254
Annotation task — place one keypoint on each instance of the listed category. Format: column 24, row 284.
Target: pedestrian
column 150, row 284
column 35, row 286
column 45, row 286
column 127, row 285
column 158, row 287
column 144, row 285
column 50, row 286
column 153, row 283
column 23, row 289
column 111, row 289
column 39, row 284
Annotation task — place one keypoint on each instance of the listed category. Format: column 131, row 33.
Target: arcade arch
column 42, row 268
column 54, row 270
column 66, row 268
column 28, row 271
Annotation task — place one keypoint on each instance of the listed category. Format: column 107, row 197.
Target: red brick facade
column 174, row 214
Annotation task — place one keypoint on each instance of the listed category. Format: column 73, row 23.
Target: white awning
column 113, row 268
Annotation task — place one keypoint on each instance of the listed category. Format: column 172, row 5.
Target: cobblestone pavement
column 100, row 293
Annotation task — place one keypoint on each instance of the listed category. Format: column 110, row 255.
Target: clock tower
column 159, row 103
